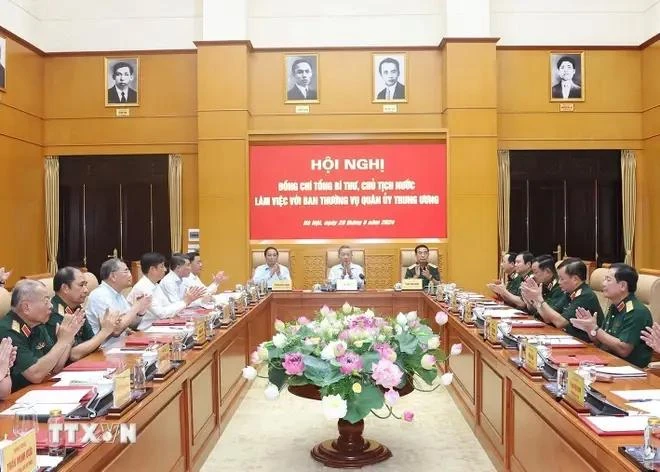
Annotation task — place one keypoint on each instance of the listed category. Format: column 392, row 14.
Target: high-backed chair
column 92, row 281
column 648, row 291
column 5, row 301
column 46, row 278
column 407, row 258
column 332, row 259
column 258, row 259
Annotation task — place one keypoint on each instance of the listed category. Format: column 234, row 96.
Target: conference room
column 385, row 236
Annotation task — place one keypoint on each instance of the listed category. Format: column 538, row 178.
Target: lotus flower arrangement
column 358, row 361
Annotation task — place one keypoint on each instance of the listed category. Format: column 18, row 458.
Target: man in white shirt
column 107, row 297
column 566, row 88
column 153, row 268
column 172, row 285
column 346, row 269
column 390, row 71
column 193, row 279
column 271, row 270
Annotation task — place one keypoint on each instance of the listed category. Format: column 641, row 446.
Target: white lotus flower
column 272, row 392
column 447, row 378
column 456, row 349
column 346, row 308
column 334, row 407
column 411, row 316
column 441, row 318
column 434, row 342
column 401, row 319
column 249, row 373
column 279, row 340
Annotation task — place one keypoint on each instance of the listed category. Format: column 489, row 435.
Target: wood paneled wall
column 22, row 246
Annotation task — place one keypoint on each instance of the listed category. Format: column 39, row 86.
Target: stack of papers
column 637, row 395
column 41, row 402
column 165, row 330
column 505, row 313
column 616, row 425
column 623, row 371
column 652, row 407
column 554, row 340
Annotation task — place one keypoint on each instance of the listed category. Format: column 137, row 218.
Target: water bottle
column 139, row 378
column 651, row 436
column 177, row 348
column 56, row 433
column 562, row 379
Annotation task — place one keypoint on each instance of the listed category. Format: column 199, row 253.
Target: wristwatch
column 594, row 331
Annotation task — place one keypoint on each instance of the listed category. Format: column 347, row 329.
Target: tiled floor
column 278, row 435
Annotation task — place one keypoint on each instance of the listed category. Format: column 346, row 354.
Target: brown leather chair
column 5, row 301
column 332, row 259
column 92, row 281
column 407, row 258
column 648, row 291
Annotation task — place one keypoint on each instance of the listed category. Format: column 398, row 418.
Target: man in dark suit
column 301, row 71
column 394, row 90
column 566, row 88
column 122, row 74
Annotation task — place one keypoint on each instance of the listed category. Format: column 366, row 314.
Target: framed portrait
column 3, row 63
column 122, row 82
column 567, row 76
column 301, row 72
column 390, row 73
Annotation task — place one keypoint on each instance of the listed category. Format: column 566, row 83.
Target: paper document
column 618, row 424
column 92, row 377
column 652, row 407
column 632, row 395
column 621, row 371
column 165, row 329
column 41, row 408
column 48, row 461
column 55, row 395
column 507, row 313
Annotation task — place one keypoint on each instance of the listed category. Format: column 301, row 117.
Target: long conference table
column 521, row 427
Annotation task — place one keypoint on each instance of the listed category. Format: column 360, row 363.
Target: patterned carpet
column 278, row 435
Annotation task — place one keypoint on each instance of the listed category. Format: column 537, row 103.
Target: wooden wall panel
column 23, row 248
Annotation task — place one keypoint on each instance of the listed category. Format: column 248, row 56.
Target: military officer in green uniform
column 423, row 269
column 545, row 277
column 70, row 293
column 508, row 265
column 37, row 354
column 511, row 294
column 626, row 320
column 572, row 274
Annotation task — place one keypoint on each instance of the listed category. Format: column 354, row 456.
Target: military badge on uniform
column 16, row 326
column 60, row 310
column 629, row 306
column 25, row 329
column 40, row 346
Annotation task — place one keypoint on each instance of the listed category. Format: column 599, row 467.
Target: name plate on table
column 200, row 331
column 491, row 334
column 575, row 390
column 164, row 361
column 282, row 285
column 347, row 284
column 411, row 284
column 122, row 388
column 21, row 454
column 531, row 359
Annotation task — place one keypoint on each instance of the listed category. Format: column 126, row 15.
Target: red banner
column 348, row 191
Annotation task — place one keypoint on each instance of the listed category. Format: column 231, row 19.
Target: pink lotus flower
column 456, row 349
column 428, row 361
column 350, row 363
column 293, row 363
column 391, row 397
column 343, row 336
column 441, row 318
column 303, row 320
column 255, row 359
column 386, row 373
column 385, row 351
column 408, row 416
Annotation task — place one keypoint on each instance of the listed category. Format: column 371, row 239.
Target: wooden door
column 110, row 204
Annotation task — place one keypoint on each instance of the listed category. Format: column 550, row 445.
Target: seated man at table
column 346, row 269
column 523, row 269
column 70, row 293
column 545, row 275
column 423, row 269
column 153, row 268
column 37, row 354
column 108, row 298
column 271, row 270
column 626, row 320
column 572, row 274
column 193, row 279
column 7, row 359
column 172, row 284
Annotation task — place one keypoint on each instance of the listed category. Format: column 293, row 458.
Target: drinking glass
column 25, row 420
column 587, row 370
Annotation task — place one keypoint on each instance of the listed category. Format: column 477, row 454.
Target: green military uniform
column 31, row 344
column 513, row 285
column 433, row 269
column 582, row 297
column 85, row 333
column 553, row 296
column 626, row 321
